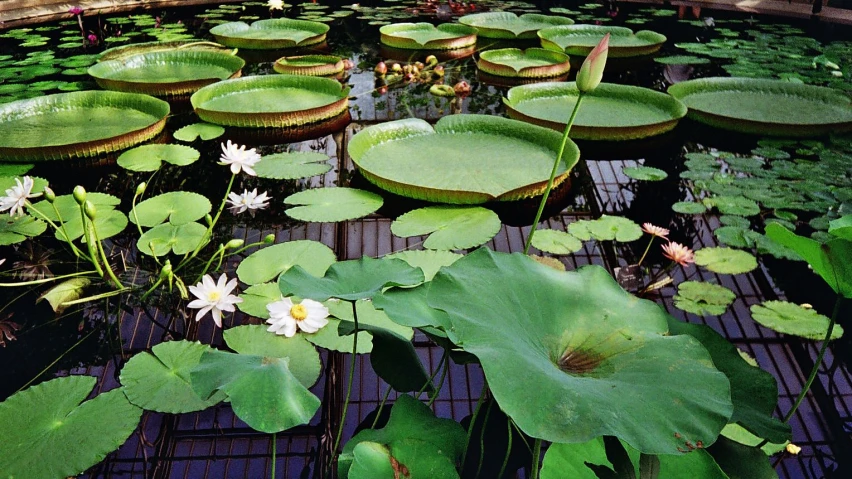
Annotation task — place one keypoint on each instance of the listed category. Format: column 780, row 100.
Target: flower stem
column 381, row 405
column 473, row 420
column 508, row 448
column 446, row 366
column 47, row 280
column 209, row 231
column 61, row 228
column 647, row 248
column 432, row 377
column 536, row 458
column 351, row 378
column 553, row 172
column 274, row 450
column 482, row 440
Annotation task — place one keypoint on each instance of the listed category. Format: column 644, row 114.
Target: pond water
column 784, row 180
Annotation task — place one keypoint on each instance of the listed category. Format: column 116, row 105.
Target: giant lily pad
column 610, row 112
column 270, row 101
column 567, row 353
column 529, row 63
column 78, row 124
column 270, row 34
column 418, row 36
column 151, row 47
column 267, row 263
column 312, row 65
column 766, row 107
column 40, row 422
column 580, row 39
column 464, row 159
column 789, row 318
column 166, row 73
column 449, row 227
column 507, row 25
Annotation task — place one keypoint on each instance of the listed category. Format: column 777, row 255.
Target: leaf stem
column 351, row 378
column 536, row 458
column 47, row 280
column 381, row 405
column 274, row 450
column 647, row 248
column 508, row 448
column 473, row 420
column 445, row 363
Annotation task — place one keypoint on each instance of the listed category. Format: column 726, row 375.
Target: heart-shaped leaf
column 151, row 157
column 789, row 318
column 303, row 358
column 205, row 131
column 449, row 227
column 165, row 238
column 556, row 242
column 725, row 260
column 266, row 264
column 350, row 280
column 606, row 228
column 176, row 207
column 329, row 205
column 293, row 165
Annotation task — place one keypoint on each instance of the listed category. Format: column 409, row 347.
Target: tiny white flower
column 248, row 200
column 275, row 4
column 16, row 197
column 214, row 297
column 285, row 317
column 239, row 158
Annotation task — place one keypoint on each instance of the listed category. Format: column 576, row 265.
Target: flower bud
column 269, row 239
column 166, row 271
column 431, row 60
column 591, row 72
column 348, row 64
column 208, row 219
column 79, row 194
column 396, row 67
column 462, row 88
column 234, row 243
column 419, row 65
column 438, row 70
column 49, row 195
column 381, row 68
column 90, row 210
column 140, row 190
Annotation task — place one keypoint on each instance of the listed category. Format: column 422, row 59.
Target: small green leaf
column 14, row 229
column 689, row 208
column 733, row 205
column 449, row 227
column 789, row 318
column 165, row 238
column 645, row 173
column 68, row 290
column 302, row 357
column 702, row 298
column 266, row 264
column 151, row 157
column 556, row 242
column 725, row 260
column 204, row 130
column 606, row 228
column 329, row 205
column 178, row 207
column 292, row 166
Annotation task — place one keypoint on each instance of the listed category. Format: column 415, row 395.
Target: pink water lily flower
column 655, row 230
column 678, row 253
column 75, row 10
column 591, row 72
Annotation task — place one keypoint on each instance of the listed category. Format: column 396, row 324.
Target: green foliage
column 293, row 165
column 556, row 242
column 330, row 205
column 449, row 227
column 703, row 298
column 267, row 263
column 205, row 131
column 725, row 260
column 350, row 280
column 176, row 207
column 606, row 228
column 789, row 318
column 151, row 157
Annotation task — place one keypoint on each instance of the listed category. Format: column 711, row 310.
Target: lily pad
column 270, row 34
column 689, row 208
column 293, row 165
column 702, row 298
column 578, row 40
column 644, row 173
column 303, row 358
column 556, row 242
column 312, row 65
column 350, row 280
column 329, row 205
column 169, row 238
column 725, row 260
column 507, row 25
column 176, row 207
column 790, row 318
column 464, row 159
column 529, row 63
column 256, row 297
column 205, row 131
column 159, row 380
column 606, row 228
column 417, row 36
column 733, row 205
column 587, row 348
column 449, row 227
column 151, row 157
column 682, row 60
column 14, row 229
column 266, row 264
column 41, row 421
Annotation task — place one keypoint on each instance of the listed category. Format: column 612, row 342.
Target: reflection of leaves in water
column 7, row 330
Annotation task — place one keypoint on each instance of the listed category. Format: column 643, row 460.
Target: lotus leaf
column 507, row 25
column 165, row 238
column 579, row 40
column 741, row 462
column 370, row 460
column 689, row 208
column 273, row 33
column 14, row 229
column 530, row 63
column 702, row 298
column 464, row 159
column 841, row 227
column 313, row 65
column 292, row 165
column 416, row 36
column 725, row 260
column 176, row 207
column 159, row 380
column 350, row 280
column 645, row 173
column 329, row 205
column 789, row 318
column 151, row 157
column 205, row 131
column 41, row 421
column 408, row 307
column 256, row 297
column 606, row 228
column 449, row 227
column 68, row 290
column 739, row 434
column 267, row 263
column 302, row 357
column 556, row 242
column 337, row 336
column 567, row 365
column 430, row 261
column 572, row 460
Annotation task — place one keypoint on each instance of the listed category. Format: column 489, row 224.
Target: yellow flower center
column 298, row 312
column 213, row 296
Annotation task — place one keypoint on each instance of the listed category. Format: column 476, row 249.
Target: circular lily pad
column 610, row 112
column 556, row 242
column 205, row 131
column 766, row 107
column 644, row 173
column 329, row 205
column 304, row 360
column 292, row 165
column 725, row 260
column 702, row 298
column 449, row 227
column 176, row 207
column 464, row 159
column 789, row 318
column 151, row 47
column 682, row 60
column 166, row 73
column 311, row 65
column 151, row 157
column 267, row 263
column 579, row 40
column 416, row 36
column 532, row 63
column 507, row 25
column 78, row 124
column 270, row 101
column 270, row 34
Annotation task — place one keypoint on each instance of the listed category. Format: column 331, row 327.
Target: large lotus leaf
column 829, row 260
column 151, row 157
column 606, row 228
column 410, row 419
column 267, row 263
column 430, row 261
column 725, row 260
column 449, row 227
column 371, row 460
column 702, row 298
column 165, row 238
column 14, row 229
column 841, row 227
column 754, row 392
column 205, row 131
column 329, row 205
column 159, row 380
column 423, row 459
column 256, row 297
column 292, row 165
column 303, row 358
column 741, row 462
column 408, row 307
column 40, row 423
column 695, row 462
column 262, row 390
column 350, row 280
column 556, row 242
column 337, row 335
column 789, row 318
column 176, row 207
column 567, row 353
column 570, row 460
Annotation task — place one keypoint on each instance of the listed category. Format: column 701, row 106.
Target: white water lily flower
column 285, row 317
column 239, row 158
column 214, row 297
column 275, row 4
column 248, row 200
column 16, row 196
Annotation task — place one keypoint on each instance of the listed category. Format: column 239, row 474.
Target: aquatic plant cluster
column 590, row 378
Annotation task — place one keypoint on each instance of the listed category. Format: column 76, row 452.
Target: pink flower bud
column 591, row 72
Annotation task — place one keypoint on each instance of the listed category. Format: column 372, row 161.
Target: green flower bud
column 140, row 190
column 431, row 60
column 167, row 270
column 208, row 219
column 90, row 210
column 79, row 194
column 234, row 243
column 269, row 239
column 49, row 195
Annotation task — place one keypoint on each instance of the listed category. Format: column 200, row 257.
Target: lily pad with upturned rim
column 508, row 25
column 449, row 227
column 610, row 112
column 311, row 65
column 116, row 53
column 464, row 159
column 790, row 318
column 270, row 34
column 418, row 36
column 579, row 40
column 529, row 63
column 329, row 205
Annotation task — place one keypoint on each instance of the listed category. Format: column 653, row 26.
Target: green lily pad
column 14, row 229
column 682, row 60
column 176, row 207
column 165, row 238
column 205, row 131
column 271, row 34
column 420, row 36
column 350, row 280
column 292, row 165
column 725, row 260
column 578, row 40
column 556, row 242
column 529, row 63
column 507, row 25
column 733, row 205
column 789, row 318
column 430, row 261
column 151, row 157
column 266, row 264
column 734, row 236
column 645, row 173
column 449, row 227
column 702, row 298
column 262, row 390
column 329, row 205
column 606, row 228
column 256, row 297
column 15, row 169
column 41, row 421
column 303, row 358
column 587, row 348
column 159, row 380
column 108, row 221
column 735, row 221
column 67, row 290
column 689, row 208
column 408, row 307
